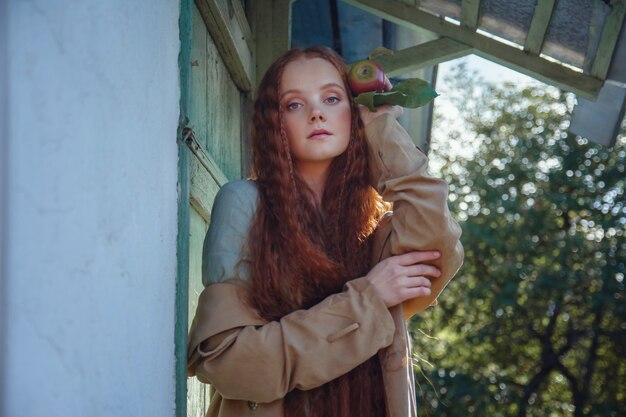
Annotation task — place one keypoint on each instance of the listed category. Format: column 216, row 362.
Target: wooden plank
column 608, row 40
column 196, row 403
column 205, row 181
column 539, row 26
column 422, row 56
column 232, row 35
column 281, row 26
column 222, row 117
column 261, row 12
column 215, row 103
column 204, row 186
column 470, row 10
column 271, row 24
column 549, row 72
column 204, row 159
column 198, row 96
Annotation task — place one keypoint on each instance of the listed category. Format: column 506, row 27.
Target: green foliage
column 535, row 322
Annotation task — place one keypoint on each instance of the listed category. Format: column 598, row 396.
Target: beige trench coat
column 252, row 364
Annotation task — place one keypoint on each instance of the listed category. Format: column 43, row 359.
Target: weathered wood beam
column 422, row 56
column 470, row 10
column 226, row 22
column 608, row 39
column 272, row 29
column 539, row 26
column 511, row 57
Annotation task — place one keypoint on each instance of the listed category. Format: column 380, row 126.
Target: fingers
column 414, row 287
column 402, row 277
column 394, row 110
column 415, row 257
column 414, row 282
column 367, row 116
column 415, row 292
column 397, row 111
column 422, row 270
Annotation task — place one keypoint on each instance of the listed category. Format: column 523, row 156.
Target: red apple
column 366, row 75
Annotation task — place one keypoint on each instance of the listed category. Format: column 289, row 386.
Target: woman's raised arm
column 421, row 219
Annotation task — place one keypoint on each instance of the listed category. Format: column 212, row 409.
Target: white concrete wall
column 92, row 213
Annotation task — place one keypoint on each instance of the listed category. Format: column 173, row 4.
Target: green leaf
column 418, row 92
column 411, row 93
column 367, row 100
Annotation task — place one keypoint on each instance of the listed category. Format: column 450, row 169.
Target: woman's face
column 316, row 112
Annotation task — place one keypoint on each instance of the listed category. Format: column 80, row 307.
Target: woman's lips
column 318, row 134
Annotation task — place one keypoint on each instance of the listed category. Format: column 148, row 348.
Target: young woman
column 308, row 275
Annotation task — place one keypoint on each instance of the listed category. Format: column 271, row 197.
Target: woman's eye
column 292, row 106
column 332, row 100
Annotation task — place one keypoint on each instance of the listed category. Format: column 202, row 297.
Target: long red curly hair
column 302, row 253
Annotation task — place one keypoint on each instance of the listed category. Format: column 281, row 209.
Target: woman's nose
column 316, row 114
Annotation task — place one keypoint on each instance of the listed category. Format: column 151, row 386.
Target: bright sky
column 488, row 70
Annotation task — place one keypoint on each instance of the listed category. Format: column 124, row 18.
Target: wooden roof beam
column 422, row 56
column 608, row 39
column 539, row 26
column 470, row 10
column 534, row 66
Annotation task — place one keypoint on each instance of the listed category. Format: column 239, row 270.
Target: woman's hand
column 367, row 116
column 400, row 278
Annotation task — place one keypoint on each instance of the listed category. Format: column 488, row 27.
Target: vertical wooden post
column 271, row 25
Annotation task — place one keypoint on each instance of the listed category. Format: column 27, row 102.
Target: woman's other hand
column 400, row 278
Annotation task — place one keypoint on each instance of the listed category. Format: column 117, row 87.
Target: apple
column 366, row 75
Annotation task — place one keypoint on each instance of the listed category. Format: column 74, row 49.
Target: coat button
column 252, row 405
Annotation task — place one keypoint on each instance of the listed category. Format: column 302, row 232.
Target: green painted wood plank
column 204, row 187
column 549, row 72
column 210, row 166
column 215, row 102
column 232, row 36
column 422, row 56
column 198, row 94
column 470, row 10
column 182, row 239
column 223, row 115
column 539, row 26
column 196, row 401
column 608, row 39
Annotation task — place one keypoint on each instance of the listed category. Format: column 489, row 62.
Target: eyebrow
column 324, row 87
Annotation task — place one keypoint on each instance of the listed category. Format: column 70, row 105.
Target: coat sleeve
column 247, row 358
column 421, row 219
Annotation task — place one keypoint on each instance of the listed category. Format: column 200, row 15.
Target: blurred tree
column 535, row 322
